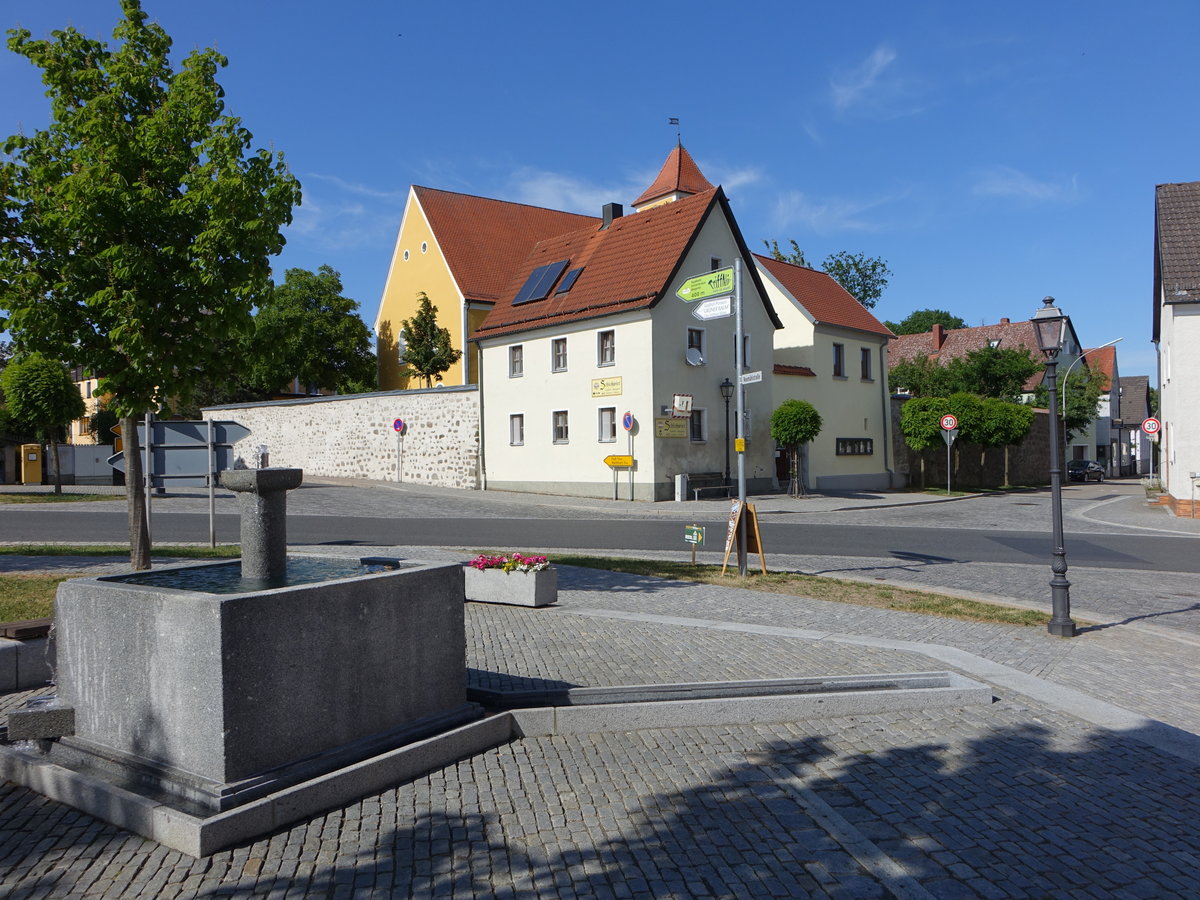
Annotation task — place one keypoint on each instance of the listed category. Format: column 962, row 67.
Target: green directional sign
column 710, row 284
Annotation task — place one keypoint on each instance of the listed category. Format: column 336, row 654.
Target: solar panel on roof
column 569, row 280
column 539, row 282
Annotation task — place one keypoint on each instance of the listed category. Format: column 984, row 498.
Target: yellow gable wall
column 425, row 270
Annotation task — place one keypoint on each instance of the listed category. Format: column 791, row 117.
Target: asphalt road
column 1120, row 551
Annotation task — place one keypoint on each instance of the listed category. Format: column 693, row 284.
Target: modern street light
column 726, row 387
column 1049, row 324
column 1071, row 368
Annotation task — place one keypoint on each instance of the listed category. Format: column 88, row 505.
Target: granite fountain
column 203, row 688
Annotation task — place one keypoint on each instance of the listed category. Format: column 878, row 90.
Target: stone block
column 512, row 588
column 40, row 721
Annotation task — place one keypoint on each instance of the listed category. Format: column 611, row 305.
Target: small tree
column 40, row 393
column 427, row 348
column 1003, row 424
column 793, row 424
column 920, row 423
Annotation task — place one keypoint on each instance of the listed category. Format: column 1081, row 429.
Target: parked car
column 1085, row 470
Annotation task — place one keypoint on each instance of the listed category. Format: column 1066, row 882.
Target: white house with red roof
column 1177, row 335
column 591, row 328
column 832, row 352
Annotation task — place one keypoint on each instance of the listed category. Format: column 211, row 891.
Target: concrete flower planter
column 513, row 588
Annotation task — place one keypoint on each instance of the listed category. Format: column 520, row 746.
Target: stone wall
column 352, row 437
column 976, row 466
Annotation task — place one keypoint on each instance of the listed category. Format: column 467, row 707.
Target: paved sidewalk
column 1079, row 780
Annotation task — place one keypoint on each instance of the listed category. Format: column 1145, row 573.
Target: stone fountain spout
column 262, row 495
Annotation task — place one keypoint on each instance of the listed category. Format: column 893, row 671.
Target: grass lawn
column 819, row 588
column 32, row 596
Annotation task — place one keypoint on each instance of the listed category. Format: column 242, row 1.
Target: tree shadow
column 865, row 806
column 1195, row 607
column 910, row 562
column 576, row 578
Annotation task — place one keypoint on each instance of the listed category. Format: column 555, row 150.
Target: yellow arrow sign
column 710, row 284
column 619, row 462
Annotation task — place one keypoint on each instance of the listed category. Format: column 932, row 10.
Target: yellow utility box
column 31, row 463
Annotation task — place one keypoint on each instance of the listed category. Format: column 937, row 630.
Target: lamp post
column 1071, row 368
column 1049, row 324
column 726, row 387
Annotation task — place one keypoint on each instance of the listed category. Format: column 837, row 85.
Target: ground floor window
column 560, row 426
column 516, row 429
column 855, row 446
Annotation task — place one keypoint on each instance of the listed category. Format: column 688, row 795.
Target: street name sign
column 710, row 284
column 750, row 377
column 713, row 308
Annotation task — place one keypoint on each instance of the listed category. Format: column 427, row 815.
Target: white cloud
column 795, row 208
column 364, row 190
column 337, row 214
column 875, row 88
column 1005, row 181
column 554, row 190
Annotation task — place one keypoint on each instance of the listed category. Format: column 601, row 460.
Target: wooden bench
column 26, row 629
column 708, row 483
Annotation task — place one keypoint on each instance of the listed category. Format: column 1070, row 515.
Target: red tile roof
column 826, row 300
column 484, row 240
column 625, row 266
column 1102, row 360
column 781, row 369
column 959, row 342
column 679, row 173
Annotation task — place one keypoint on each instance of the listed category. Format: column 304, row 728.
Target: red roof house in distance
column 832, row 352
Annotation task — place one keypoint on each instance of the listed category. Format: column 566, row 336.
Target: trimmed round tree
column 794, row 424
column 40, row 394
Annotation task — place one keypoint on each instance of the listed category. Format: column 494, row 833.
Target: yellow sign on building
column 670, row 428
column 607, row 387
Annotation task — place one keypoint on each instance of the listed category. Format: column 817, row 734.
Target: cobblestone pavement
column 1032, row 796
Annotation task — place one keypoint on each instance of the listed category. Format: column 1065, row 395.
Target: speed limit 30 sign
column 949, row 422
column 1151, row 426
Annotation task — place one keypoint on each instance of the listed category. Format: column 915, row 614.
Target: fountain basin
column 213, row 699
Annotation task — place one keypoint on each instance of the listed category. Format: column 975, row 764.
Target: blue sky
column 991, row 153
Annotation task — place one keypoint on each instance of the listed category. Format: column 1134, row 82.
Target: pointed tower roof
column 679, row 177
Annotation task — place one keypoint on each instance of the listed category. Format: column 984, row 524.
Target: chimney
column 612, row 211
column 1004, row 322
column 939, row 336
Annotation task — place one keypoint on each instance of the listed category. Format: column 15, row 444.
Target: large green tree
column 864, row 277
column 427, row 348
column 310, row 331
column 39, row 392
column 999, row 372
column 794, row 424
column 138, row 224
column 1084, row 390
column 920, row 321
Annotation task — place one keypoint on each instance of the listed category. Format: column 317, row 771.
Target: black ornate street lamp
column 1049, row 323
column 726, row 387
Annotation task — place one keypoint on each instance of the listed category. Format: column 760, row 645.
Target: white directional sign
column 750, row 377
column 716, row 308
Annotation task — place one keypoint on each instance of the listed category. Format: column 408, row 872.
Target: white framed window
column 561, row 431
column 516, row 361
column 558, row 355
column 606, row 348
column 839, row 360
column 698, row 426
column 607, row 425
column 516, row 429
column 865, row 363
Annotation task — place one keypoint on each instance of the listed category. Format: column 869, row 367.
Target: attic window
column 569, row 280
column 539, row 282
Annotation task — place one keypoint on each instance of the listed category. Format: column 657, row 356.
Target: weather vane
column 673, row 120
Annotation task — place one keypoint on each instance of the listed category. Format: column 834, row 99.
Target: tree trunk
column 55, row 463
column 1006, row 465
column 135, row 496
column 793, row 471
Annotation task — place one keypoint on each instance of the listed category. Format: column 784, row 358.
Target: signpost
column 710, row 284
column 400, row 428
column 713, row 308
column 949, row 425
column 693, row 534
column 1153, row 428
column 616, row 462
column 629, row 423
